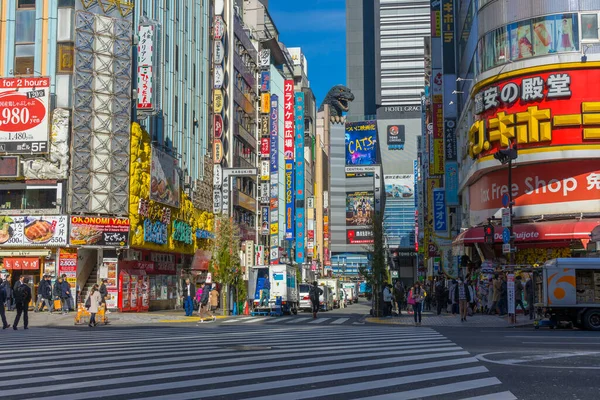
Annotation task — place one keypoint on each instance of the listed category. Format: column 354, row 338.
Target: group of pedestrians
column 205, row 299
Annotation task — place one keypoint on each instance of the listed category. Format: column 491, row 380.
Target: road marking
column 519, row 362
column 340, row 321
column 295, row 321
column 438, row 390
column 277, row 319
column 494, row 396
column 318, row 321
column 255, row 320
column 564, row 344
column 236, row 320
column 550, row 337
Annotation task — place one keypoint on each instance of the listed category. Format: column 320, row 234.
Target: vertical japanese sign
column 288, row 152
column 448, row 36
column 220, row 184
column 289, row 199
column 299, row 127
column 145, row 76
column 451, row 183
column 274, row 168
column 440, row 219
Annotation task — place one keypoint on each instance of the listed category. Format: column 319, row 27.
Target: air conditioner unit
column 187, row 181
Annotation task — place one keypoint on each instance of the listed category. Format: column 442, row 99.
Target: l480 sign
column 19, row 113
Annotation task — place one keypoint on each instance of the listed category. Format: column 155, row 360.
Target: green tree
column 377, row 274
column 226, row 264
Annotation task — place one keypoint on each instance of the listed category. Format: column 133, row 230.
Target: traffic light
column 505, row 155
column 488, row 233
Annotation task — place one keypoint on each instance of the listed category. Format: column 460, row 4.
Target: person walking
column 214, row 298
column 264, row 297
column 453, row 299
column 440, row 299
column 103, row 290
column 387, row 301
column 189, row 290
column 497, row 286
column 503, row 296
column 93, row 303
column 519, row 295
column 47, row 294
column 66, row 296
column 39, row 303
column 529, row 295
column 462, row 294
column 5, row 323
column 204, row 304
column 314, row 294
column 22, row 295
column 417, row 296
column 8, row 293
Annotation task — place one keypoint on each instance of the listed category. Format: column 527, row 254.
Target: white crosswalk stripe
column 288, row 320
column 339, row 321
column 371, row 362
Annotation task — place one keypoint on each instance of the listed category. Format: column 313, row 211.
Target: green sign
column 182, row 232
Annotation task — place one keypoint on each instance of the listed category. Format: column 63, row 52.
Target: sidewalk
column 44, row 319
column 449, row 320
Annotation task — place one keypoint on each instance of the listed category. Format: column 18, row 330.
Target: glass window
column 567, row 32
column 66, row 3
column 520, row 40
column 500, row 43
column 26, row 4
column 25, row 29
column 27, row 199
column 544, row 30
column 167, row 45
column 589, row 26
column 24, row 59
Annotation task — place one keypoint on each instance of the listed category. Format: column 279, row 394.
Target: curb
column 396, row 321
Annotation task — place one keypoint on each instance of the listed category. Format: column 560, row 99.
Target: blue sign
column 506, row 235
column 416, row 181
column 299, row 181
column 451, row 183
column 202, row 234
column 440, row 218
column 155, row 232
column 505, row 200
column 265, row 81
column 361, row 143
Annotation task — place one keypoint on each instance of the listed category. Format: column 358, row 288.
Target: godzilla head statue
column 338, row 98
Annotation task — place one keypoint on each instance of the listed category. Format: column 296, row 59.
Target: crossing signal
column 488, row 233
column 506, row 155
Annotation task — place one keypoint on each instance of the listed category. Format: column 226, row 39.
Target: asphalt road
column 537, row 364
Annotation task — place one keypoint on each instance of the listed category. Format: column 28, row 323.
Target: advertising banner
column 274, row 169
column 145, row 62
column 540, row 110
column 265, row 127
column 396, row 136
column 451, row 183
column 359, row 208
column 265, row 103
column 164, row 178
column 440, row 218
column 569, row 186
column 265, row 170
column 67, row 265
column 218, row 126
column 399, row 186
column 361, row 143
column 218, row 101
column 274, row 138
column 264, row 58
column 264, row 220
column 299, row 177
column 448, row 36
column 289, row 199
column 265, row 147
column 288, row 119
column 359, row 236
column 32, row 231
column 438, row 157
column 450, row 139
column 22, row 263
column 99, row 231
column 265, row 81
column 24, row 115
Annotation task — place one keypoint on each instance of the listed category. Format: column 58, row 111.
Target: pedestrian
column 39, row 303
column 189, row 291
column 46, row 292
column 483, row 296
column 400, row 294
column 417, row 296
column 214, row 298
column 387, row 300
column 63, row 290
column 462, row 294
column 519, row 294
column 5, row 323
column 8, row 292
column 314, row 294
column 473, row 302
column 22, row 295
column 529, row 295
column 204, row 303
column 57, row 293
column 103, row 290
column 92, row 304
column 497, row 286
column 66, row 295
column 453, row 299
column 264, row 297
column 503, row 296
column 439, row 296
column 428, row 298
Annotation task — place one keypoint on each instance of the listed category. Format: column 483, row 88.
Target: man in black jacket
column 315, row 293
column 39, row 304
column 189, row 291
column 2, row 300
column 103, row 293
column 441, row 299
column 22, row 298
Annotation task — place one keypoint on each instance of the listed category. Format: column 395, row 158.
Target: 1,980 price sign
column 24, row 115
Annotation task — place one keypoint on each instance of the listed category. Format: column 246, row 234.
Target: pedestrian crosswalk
column 245, row 361
column 293, row 319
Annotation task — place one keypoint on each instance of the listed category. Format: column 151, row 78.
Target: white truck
column 283, row 282
column 568, row 289
column 351, row 289
column 334, row 286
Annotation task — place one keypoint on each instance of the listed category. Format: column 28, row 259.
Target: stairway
column 91, row 281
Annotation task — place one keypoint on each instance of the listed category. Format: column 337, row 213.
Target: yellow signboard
column 438, row 157
column 217, row 151
column 265, row 103
column 218, row 100
column 275, row 228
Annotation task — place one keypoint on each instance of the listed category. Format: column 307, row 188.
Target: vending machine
column 143, row 292
column 124, row 291
column 133, row 291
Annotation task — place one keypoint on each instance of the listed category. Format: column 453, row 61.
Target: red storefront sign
column 21, row 263
column 537, row 189
column 288, row 119
column 265, row 147
column 549, row 108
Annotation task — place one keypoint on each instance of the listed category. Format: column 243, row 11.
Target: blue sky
column 319, row 27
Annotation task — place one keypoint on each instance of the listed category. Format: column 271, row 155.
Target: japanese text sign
column 32, row 231
column 299, row 176
column 288, row 119
column 145, row 60
column 440, row 218
column 99, row 231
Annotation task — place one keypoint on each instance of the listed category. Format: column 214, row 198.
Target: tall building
column 104, row 161
column 519, row 79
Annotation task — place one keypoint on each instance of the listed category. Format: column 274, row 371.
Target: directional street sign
column 506, row 236
column 506, row 218
column 505, row 200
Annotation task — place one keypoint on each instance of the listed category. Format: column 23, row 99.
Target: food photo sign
column 164, row 179
column 99, row 231
column 31, row 231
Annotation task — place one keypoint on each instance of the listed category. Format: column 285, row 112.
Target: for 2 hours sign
column 24, row 115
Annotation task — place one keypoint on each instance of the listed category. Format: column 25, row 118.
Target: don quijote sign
column 24, row 115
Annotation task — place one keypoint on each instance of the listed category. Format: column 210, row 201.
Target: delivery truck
column 568, row 290
column 283, row 282
column 351, row 289
column 334, row 288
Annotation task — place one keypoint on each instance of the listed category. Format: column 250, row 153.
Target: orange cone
column 246, row 308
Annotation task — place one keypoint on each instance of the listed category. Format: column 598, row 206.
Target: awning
column 535, row 232
column 201, row 260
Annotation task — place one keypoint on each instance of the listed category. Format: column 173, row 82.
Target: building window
column 167, row 47
column 185, row 67
column 176, row 110
column 177, row 58
column 26, row 4
column 25, row 38
column 194, row 76
column 589, row 26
